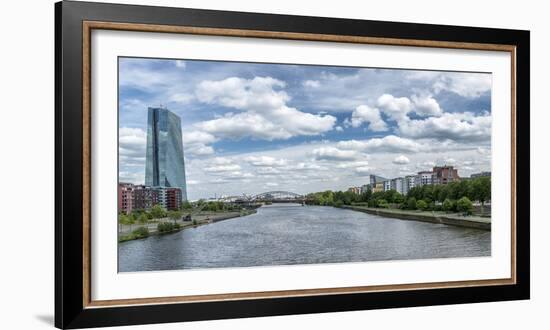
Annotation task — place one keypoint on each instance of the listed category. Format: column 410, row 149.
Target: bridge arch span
column 278, row 196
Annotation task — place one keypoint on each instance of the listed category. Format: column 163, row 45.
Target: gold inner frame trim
column 88, row 26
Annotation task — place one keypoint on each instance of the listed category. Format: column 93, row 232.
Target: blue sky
column 254, row 127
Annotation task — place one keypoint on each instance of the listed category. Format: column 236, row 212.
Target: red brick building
column 444, row 174
column 144, row 197
column 125, row 198
column 169, row 198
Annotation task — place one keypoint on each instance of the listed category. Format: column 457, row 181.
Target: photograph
column 247, row 164
column 216, row 164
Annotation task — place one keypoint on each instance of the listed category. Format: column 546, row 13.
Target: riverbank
column 452, row 219
column 126, row 232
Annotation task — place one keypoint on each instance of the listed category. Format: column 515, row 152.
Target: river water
column 286, row 234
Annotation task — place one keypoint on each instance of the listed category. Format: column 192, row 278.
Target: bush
column 166, row 227
column 140, row 232
column 185, row 205
column 464, row 205
column 371, row 203
column 175, row 215
column 382, row 203
column 338, row 203
column 411, row 203
column 448, row 205
column 421, row 205
column 158, row 212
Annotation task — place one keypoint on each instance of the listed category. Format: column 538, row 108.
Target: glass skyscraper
column 164, row 166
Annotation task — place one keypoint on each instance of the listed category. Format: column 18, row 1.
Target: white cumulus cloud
column 426, row 106
column 390, row 144
column 311, row 83
column 264, row 111
column 265, row 161
column 196, row 143
column 454, row 126
column 401, row 160
column 222, row 168
column 466, row 84
column 334, row 154
column 365, row 114
column 396, row 108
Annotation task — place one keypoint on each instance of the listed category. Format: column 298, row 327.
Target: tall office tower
column 164, row 166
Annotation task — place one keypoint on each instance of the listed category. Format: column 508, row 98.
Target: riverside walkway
column 452, row 219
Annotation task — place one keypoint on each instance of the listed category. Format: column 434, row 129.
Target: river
column 286, row 234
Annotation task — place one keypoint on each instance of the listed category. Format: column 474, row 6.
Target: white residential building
column 408, row 183
column 398, row 185
column 423, row 178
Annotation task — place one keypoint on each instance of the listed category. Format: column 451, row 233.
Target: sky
column 249, row 128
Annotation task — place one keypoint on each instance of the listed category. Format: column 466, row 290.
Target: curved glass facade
column 164, row 166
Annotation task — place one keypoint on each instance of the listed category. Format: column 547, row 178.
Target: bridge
column 278, row 196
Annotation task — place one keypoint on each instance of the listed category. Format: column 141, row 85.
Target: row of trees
column 478, row 189
column 455, row 196
column 142, row 217
column 186, row 207
column 216, row 206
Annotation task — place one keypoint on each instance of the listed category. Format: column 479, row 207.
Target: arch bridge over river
column 276, row 196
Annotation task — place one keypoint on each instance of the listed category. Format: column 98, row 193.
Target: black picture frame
column 70, row 309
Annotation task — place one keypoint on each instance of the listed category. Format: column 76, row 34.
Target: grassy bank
column 452, row 219
column 167, row 226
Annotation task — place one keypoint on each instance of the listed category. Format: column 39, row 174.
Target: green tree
column 464, row 189
column 372, row 202
column 158, row 212
column 390, row 195
column 140, row 232
column 415, row 192
column 448, row 205
column 411, row 203
column 481, row 191
column 398, row 198
column 427, row 192
column 421, row 205
column 142, row 218
column 382, row 203
column 126, row 220
column 175, row 215
column 366, row 195
column 464, row 205
column 185, row 205
column 443, row 192
column 437, row 189
column 453, row 191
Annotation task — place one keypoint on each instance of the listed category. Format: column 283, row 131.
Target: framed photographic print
column 214, row 164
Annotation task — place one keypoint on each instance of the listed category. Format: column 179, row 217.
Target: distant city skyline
column 249, row 128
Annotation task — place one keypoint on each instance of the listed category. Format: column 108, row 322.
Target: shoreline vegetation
column 142, row 224
column 437, row 217
column 460, row 203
